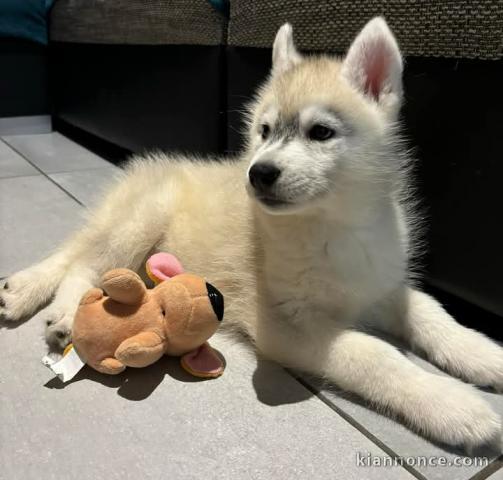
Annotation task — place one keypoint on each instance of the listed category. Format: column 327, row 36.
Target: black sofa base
column 24, row 85
column 142, row 97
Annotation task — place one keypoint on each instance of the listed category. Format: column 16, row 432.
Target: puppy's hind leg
column 58, row 316
column 120, row 233
column 104, row 249
column 23, row 293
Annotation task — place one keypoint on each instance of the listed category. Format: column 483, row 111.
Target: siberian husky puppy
column 307, row 236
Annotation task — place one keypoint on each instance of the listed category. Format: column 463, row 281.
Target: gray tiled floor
column 12, row 164
column 35, row 216
column 497, row 476
column 86, row 185
column 52, row 152
column 256, row 421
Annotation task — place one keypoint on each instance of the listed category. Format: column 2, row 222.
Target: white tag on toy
column 67, row 367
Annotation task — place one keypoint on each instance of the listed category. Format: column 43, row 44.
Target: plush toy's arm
column 110, row 366
column 140, row 350
column 124, row 286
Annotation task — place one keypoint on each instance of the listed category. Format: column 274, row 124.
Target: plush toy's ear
column 203, row 362
column 124, row 286
column 163, row 266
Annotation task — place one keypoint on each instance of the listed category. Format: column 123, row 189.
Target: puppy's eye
column 320, row 133
column 265, row 130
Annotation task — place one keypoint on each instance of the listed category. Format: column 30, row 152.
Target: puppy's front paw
column 472, row 356
column 487, row 366
column 459, row 416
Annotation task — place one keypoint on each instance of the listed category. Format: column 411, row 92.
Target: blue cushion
column 25, row 19
column 222, row 5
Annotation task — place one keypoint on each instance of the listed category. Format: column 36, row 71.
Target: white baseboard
column 25, row 125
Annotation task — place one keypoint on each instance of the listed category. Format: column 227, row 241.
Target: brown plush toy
column 131, row 326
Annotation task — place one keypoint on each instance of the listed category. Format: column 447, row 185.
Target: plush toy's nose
column 217, row 300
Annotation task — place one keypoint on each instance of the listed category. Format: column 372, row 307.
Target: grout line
column 43, row 173
column 357, row 425
column 105, row 167
column 486, row 472
column 36, row 174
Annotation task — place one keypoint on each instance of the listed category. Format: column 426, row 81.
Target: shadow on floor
column 268, row 376
column 133, row 384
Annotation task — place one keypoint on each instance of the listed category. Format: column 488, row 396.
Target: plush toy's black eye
column 320, row 133
column 265, row 130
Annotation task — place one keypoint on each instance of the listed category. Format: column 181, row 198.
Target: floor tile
column 498, row 475
column 52, row 152
column 35, row 217
column 400, row 439
column 86, row 185
column 25, row 125
column 12, row 164
column 159, row 422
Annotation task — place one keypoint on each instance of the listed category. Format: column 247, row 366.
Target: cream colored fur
column 300, row 279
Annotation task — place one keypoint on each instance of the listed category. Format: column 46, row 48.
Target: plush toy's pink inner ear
column 163, row 266
column 203, row 362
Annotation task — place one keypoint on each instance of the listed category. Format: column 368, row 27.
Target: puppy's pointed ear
column 373, row 65
column 284, row 53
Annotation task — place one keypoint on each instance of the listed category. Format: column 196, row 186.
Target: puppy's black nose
column 263, row 175
column 216, row 299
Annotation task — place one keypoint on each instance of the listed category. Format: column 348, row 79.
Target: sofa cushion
column 154, row 22
column 26, row 20
column 453, row 28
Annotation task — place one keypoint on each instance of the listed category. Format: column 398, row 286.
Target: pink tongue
column 203, row 362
